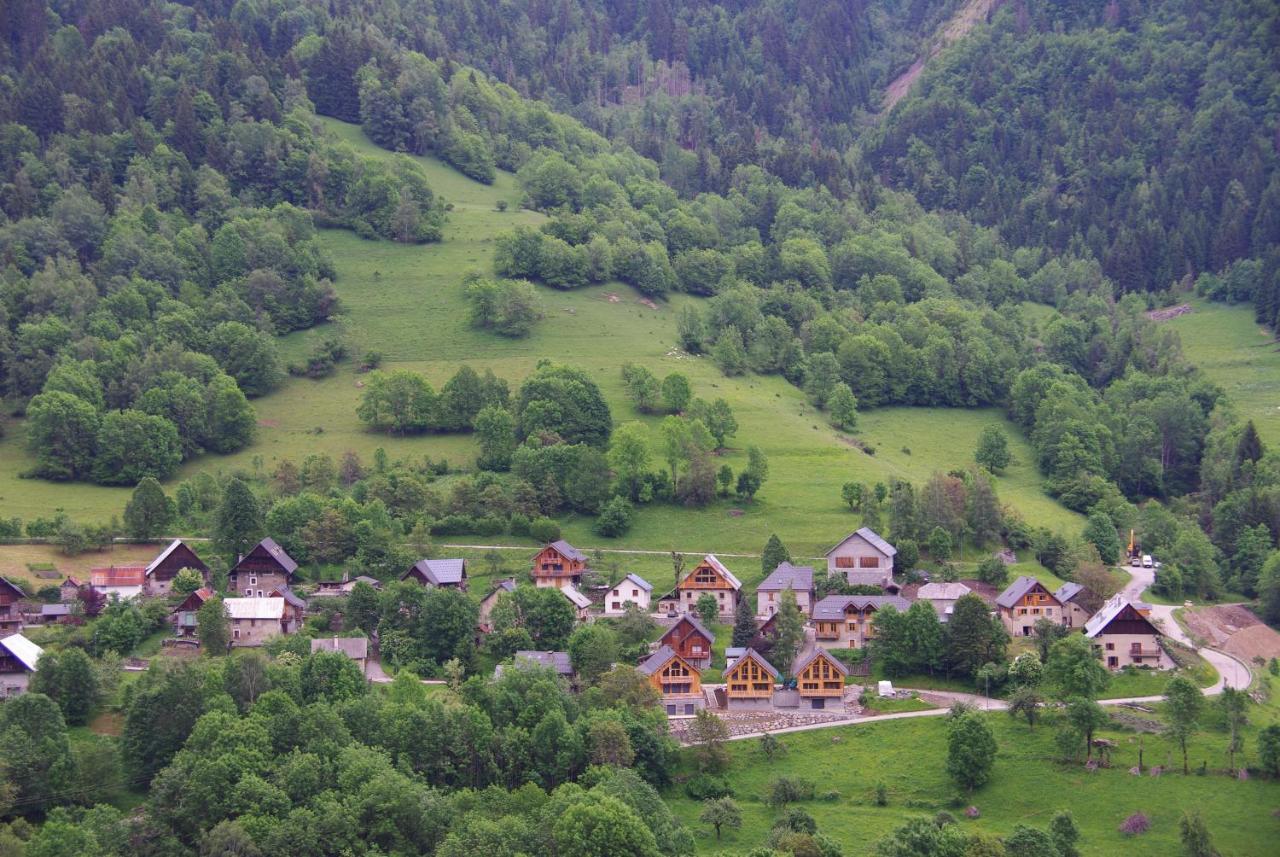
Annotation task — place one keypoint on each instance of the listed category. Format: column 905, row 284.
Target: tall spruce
column 775, row 553
column 239, row 525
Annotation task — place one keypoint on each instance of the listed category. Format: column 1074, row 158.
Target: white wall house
column 633, row 589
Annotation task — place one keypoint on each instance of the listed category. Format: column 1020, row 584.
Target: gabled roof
column 637, row 580
column 1074, row 593
column 164, row 554
column 659, row 659
column 713, row 561
column 71, row 581
column 15, row 587
column 202, row 595
column 943, row 591
column 254, row 608
column 1112, row 609
column 788, row 576
column 872, row 538
column 118, row 575
column 276, row 552
column 558, row 661
column 505, row 585
column 831, row 608
column 579, row 600
column 568, row 551
column 817, row 652
column 1013, row 594
column 290, row 596
column 751, row 654
column 697, row 626
column 26, row 652
column 356, row 648
column 55, row 609
column 440, row 572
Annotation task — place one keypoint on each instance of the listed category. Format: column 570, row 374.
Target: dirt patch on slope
column 1235, row 630
column 965, row 19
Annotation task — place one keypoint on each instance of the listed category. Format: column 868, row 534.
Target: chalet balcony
column 1153, row 652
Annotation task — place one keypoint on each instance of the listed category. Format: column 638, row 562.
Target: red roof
column 119, row 575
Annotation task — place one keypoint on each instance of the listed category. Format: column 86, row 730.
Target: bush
column 544, row 530
column 882, row 794
column 614, row 519
column 785, row 790
column 707, row 787
column 1135, row 824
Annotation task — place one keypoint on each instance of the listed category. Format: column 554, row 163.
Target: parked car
column 1135, row 560
column 1147, row 562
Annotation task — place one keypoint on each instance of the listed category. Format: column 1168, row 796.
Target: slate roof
column 27, row 652
column 1100, row 620
column 55, row 609
column 568, row 551
column 755, row 656
column 579, row 600
column 289, row 595
column 164, row 554
column 254, row 608
column 505, row 585
column 22, row 593
column 558, row 661
column 356, row 648
column 872, row 537
column 1014, row 592
column 698, row 626
column 637, row 580
column 440, row 572
column 655, row 662
column 831, row 608
column 281, row 556
column 805, row 659
column 788, row 576
column 943, row 591
column 1085, row 599
column 734, row 652
column 118, row 575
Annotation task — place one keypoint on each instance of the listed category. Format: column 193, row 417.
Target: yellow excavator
column 1135, row 552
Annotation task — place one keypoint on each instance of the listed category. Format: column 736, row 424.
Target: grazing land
column 1027, row 787
column 1240, row 355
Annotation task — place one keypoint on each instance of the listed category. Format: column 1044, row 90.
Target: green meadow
column 1028, row 785
column 406, row 303
column 1240, row 355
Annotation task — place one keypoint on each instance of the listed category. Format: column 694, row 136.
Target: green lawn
column 1027, row 787
column 406, row 302
column 1240, row 355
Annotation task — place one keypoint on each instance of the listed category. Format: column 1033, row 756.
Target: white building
column 633, row 589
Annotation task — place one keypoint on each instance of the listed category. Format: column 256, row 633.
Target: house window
column 617, row 606
column 770, row 596
column 868, row 562
column 1113, row 662
column 253, row 581
column 235, row 632
column 696, row 649
column 1135, row 648
column 635, row 593
column 844, row 562
column 1111, row 647
column 688, row 708
column 671, row 710
column 1035, row 611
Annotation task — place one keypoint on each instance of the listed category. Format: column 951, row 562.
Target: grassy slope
column 1239, row 354
column 405, row 302
column 1027, row 787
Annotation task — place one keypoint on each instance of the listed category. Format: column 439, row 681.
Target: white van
column 1146, row 561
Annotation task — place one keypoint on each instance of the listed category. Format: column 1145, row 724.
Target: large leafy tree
column 239, row 525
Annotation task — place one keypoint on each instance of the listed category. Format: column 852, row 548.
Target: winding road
column 1232, row 672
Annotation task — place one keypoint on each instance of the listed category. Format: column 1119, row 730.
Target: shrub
column 1135, row 824
column 882, row 794
column 707, row 787
column 544, row 530
column 785, row 790
column 614, row 519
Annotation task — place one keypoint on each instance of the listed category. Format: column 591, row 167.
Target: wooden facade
column 820, row 676
column 708, row 577
column 1025, row 602
column 1122, row 636
column 559, row 564
column 184, row 615
column 690, row 640
column 750, row 677
column 261, row 571
column 677, row 680
column 848, row 621
column 165, row 567
column 10, row 613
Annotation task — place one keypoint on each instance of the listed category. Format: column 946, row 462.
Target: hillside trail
column 972, row 13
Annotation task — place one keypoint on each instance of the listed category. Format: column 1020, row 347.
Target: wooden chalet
column 164, row 568
column 438, row 573
column 689, row 639
column 819, row 678
column 559, row 564
column 1122, row 636
column 261, row 570
column 184, row 615
column 676, row 679
column 1025, row 602
column 749, row 681
column 708, row 577
column 19, row 659
column 10, row 610
column 848, row 621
